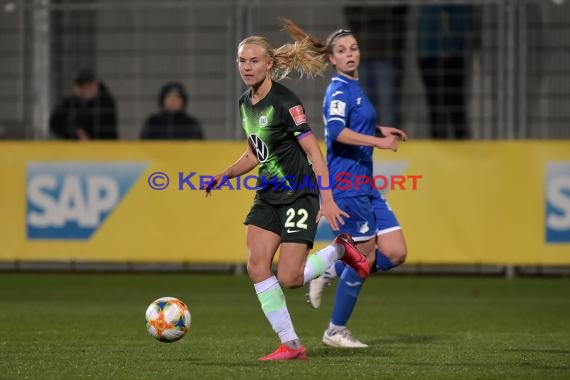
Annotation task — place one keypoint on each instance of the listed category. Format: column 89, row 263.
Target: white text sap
column 71, row 204
column 560, row 200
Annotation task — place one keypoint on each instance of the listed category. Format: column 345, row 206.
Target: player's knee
column 255, row 268
column 397, row 256
column 290, row 280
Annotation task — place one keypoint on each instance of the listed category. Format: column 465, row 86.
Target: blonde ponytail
column 306, row 55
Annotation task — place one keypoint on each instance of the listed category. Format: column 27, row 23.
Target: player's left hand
column 333, row 214
column 387, row 131
column 212, row 185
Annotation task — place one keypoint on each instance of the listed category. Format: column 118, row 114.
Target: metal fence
column 509, row 80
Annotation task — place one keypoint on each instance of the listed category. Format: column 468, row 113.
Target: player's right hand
column 333, row 214
column 390, row 142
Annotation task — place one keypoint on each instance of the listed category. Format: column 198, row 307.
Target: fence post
column 41, row 68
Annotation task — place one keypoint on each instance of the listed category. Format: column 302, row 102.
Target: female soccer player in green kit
column 286, row 208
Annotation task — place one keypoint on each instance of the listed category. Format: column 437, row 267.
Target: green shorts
column 295, row 222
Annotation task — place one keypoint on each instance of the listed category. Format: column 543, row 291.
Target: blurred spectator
column 442, row 48
column 381, row 32
column 89, row 113
column 172, row 121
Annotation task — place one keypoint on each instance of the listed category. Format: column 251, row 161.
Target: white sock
column 273, row 305
column 318, row 263
column 333, row 327
column 330, row 274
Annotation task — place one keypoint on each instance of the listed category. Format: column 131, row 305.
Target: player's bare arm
column 350, row 137
column 329, row 209
column 390, row 131
column 247, row 162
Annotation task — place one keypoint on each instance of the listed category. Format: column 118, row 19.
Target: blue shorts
column 369, row 216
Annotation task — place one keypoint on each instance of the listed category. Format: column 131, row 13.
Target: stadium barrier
column 477, row 203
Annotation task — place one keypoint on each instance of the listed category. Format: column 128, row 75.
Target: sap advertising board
column 71, row 200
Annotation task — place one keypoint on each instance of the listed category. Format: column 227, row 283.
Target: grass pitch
column 77, row 326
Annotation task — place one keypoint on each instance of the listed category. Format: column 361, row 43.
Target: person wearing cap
column 172, row 121
column 88, row 113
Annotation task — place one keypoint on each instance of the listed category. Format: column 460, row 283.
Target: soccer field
column 75, row 326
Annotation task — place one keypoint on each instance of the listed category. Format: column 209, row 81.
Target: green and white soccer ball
column 168, row 319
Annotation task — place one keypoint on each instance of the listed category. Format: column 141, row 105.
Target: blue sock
column 381, row 263
column 347, row 292
column 339, row 268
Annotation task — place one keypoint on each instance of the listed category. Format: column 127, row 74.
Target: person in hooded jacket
column 89, row 113
column 172, row 121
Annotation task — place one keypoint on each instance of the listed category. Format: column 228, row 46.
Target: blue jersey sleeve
column 336, row 111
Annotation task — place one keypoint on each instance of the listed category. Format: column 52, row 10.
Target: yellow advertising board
column 474, row 202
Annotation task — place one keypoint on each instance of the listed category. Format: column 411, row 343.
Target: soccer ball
column 167, row 319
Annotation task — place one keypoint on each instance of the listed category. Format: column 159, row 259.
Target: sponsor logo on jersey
column 260, row 148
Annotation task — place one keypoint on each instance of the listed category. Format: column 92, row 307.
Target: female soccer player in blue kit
column 351, row 138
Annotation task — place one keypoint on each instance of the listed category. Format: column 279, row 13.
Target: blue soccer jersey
column 346, row 106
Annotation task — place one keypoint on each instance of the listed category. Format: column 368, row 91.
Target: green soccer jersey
column 273, row 127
